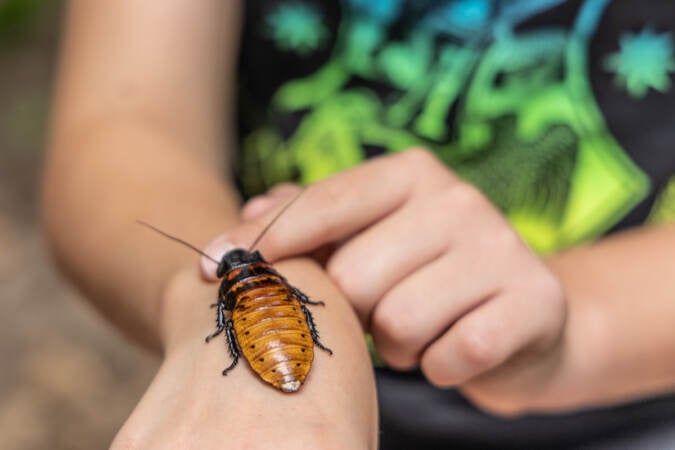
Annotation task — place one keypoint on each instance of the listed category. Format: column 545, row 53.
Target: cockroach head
column 236, row 258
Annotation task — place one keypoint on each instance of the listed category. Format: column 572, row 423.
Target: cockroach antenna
column 250, row 249
column 269, row 225
column 180, row 241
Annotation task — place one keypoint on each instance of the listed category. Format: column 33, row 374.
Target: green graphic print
column 525, row 127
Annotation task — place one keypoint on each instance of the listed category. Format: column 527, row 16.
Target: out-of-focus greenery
column 16, row 16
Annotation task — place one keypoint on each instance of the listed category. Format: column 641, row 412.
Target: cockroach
column 264, row 318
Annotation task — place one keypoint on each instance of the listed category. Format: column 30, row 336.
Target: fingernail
column 216, row 249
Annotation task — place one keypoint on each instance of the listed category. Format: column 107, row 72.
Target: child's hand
column 435, row 273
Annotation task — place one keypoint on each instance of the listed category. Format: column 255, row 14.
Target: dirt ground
column 68, row 380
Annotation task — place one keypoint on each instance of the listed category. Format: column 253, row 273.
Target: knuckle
column 388, row 325
column 546, row 289
column 396, row 338
column 554, row 296
column 477, row 347
column 397, row 359
column 504, row 237
column 436, row 377
column 421, row 171
column 544, row 297
column 401, row 329
column 551, row 288
column 466, row 197
column 420, row 158
column 342, row 274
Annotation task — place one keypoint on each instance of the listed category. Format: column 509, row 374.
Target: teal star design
column 296, row 27
column 644, row 60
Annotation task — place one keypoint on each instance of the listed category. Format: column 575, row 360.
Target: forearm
column 139, row 132
column 93, row 198
column 620, row 336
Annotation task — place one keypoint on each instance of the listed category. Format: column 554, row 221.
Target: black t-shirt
column 561, row 112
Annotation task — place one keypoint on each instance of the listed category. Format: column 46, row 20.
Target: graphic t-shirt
column 561, row 112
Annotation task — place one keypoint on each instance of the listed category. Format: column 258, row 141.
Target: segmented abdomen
column 271, row 327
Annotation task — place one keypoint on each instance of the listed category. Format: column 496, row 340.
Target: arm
column 443, row 283
column 621, row 292
column 137, row 134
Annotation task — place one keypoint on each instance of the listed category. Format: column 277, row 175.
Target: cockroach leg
column 313, row 330
column 232, row 344
column 304, row 299
column 220, row 320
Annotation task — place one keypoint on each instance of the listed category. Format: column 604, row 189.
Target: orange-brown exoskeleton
column 263, row 317
column 269, row 325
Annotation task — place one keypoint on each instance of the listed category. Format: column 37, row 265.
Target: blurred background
column 68, row 380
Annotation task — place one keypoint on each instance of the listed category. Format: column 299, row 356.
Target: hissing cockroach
column 270, row 324
column 265, row 319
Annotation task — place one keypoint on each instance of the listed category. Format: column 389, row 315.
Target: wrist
column 184, row 313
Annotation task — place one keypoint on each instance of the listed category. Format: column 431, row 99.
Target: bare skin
column 138, row 133
column 443, row 282
column 191, row 405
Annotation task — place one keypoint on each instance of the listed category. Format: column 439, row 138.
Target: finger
column 225, row 242
column 255, row 207
column 418, row 309
column 367, row 266
column 263, row 204
column 285, row 190
column 347, row 202
column 216, row 249
column 488, row 336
